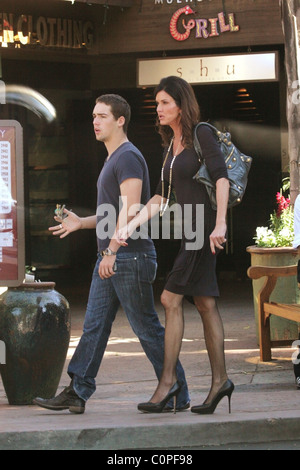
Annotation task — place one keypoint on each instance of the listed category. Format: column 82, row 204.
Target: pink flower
column 283, row 203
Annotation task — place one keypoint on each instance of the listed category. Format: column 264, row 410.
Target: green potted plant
column 280, row 231
column 273, row 247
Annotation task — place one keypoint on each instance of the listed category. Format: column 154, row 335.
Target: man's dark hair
column 119, row 107
column 184, row 96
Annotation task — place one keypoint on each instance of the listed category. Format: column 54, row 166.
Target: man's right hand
column 70, row 224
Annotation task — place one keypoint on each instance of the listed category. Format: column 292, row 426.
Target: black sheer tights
column 174, row 328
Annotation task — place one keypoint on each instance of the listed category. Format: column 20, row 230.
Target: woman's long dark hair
column 184, row 96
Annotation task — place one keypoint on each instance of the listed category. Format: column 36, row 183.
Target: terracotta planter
column 35, row 328
column 286, row 290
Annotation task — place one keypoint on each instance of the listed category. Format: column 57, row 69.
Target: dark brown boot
column 66, row 400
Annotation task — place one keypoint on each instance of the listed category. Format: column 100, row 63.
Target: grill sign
column 204, row 28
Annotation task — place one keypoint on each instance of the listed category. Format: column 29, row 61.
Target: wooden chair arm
column 265, row 308
column 255, row 272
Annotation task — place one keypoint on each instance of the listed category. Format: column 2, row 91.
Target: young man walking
column 122, row 275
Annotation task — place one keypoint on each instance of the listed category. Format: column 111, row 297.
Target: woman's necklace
column 163, row 207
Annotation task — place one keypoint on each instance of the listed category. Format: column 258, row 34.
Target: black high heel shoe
column 149, row 407
column 208, row 408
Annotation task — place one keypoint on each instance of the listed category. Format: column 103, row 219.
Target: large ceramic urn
column 35, row 329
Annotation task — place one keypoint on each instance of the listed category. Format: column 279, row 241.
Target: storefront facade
column 71, row 52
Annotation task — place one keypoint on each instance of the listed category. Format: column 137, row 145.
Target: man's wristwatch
column 108, row 252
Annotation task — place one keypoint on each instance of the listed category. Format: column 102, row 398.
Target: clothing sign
column 210, row 69
column 25, row 30
column 12, row 258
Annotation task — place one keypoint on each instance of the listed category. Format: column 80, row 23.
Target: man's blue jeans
column 131, row 287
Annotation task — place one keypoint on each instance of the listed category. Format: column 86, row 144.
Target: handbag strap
column 196, row 140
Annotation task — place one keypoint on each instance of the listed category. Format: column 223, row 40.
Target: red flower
column 283, row 203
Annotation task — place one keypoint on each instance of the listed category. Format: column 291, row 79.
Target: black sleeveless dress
column 194, row 270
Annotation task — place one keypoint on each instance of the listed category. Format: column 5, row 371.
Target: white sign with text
column 210, row 69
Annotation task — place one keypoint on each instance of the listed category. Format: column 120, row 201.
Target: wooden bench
column 267, row 308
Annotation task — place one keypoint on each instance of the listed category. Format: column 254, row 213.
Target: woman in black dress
column 194, row 272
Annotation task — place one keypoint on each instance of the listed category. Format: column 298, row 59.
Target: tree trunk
column 290, row 17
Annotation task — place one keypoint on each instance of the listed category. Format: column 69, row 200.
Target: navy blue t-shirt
column 125, row 162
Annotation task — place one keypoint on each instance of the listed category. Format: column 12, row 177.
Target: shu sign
column 210, row 69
